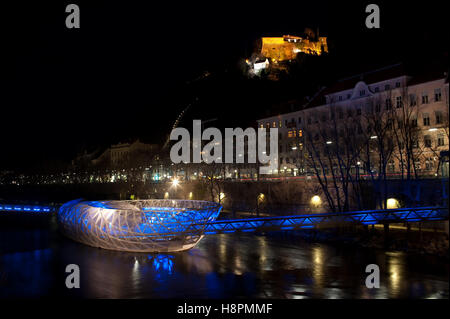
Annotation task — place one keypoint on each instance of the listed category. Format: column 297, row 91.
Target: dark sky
column 125, row 73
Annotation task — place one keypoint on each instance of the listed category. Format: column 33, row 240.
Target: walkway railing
column 421, row 214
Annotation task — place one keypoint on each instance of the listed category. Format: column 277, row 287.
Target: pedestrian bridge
column 297, row 222
column 293, row 222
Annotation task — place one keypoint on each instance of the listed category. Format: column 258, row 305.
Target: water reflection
column 223, row 266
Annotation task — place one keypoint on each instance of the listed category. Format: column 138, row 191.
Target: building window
column 340, row 97
column 414, row 122
column 378, row 107
column 387, row 87
column 268, row 125
column 429, row 164
column 349, row 96
column 274, row 124
column 377, row 89
column 412, row 100
column 399, row 102
column 280, row 123
column 281, row 148
column 287, row 160
column 397, row 84
column 300, row 133
column 417, row 165
column 427, row 140
column 285, row 122
column 362, row 92
column 281, row 160
column 388, row 104
column 292, row 133
column 426, row 119
column 261, row 125
column 299, row 120
column 424, row 98
column 309, row 120
column 439, row 118
column 440, row 140
column 437, row 95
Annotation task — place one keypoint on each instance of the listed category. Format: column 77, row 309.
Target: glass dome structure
column 154, row 225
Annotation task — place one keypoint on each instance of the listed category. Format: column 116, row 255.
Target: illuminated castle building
column 276, row 52
column 284, row 48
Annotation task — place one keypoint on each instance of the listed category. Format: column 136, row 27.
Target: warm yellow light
column 166, row 195
column 315, row 200
column 261, row 197
column 175, row 182
column 190, row 195
column 392, row 203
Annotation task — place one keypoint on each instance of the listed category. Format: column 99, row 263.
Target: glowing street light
column 175, row 182
column 315, row 200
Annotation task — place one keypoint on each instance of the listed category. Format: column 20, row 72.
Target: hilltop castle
column 277, row 52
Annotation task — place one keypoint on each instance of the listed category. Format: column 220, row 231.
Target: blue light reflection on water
column 220, row 266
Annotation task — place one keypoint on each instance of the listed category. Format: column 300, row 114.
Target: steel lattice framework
column 137, row 225
column 402, row 215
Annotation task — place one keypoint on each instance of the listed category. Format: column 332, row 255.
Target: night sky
column 132, row 67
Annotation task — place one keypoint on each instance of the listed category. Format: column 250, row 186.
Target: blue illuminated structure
column 175, row 225
column 297, row 222
column 138, row 225
column 26, row 208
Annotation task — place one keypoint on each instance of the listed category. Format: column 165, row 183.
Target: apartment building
column 409, row 112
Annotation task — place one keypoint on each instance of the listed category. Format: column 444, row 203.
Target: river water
column 33, row 261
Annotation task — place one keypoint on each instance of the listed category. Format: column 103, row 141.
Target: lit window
column 424, row 98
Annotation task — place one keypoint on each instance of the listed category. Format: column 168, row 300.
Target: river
column 33, row 261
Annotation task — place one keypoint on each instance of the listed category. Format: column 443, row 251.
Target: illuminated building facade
column 279, row 49
column 412, row 112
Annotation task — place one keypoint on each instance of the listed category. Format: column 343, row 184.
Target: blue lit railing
column 298, row 222
column 26, row 208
